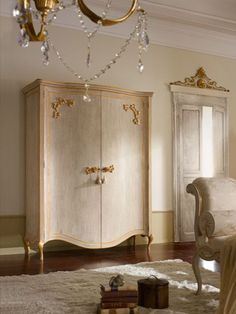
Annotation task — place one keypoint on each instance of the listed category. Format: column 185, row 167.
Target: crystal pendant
column 45, row 51
column 61, row 6
column 45, row 47
column 16, row 11
column 45, row 59
column 23, row 39
column 145, row 40
column 140, row 66
column 86, row 97
column 88, row 60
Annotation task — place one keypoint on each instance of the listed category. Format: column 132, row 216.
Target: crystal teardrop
column 23, row 39
column 45, row 46
column 140, row 66
column 16, row 11
column 88, row 60
column 145, row 40
column 87, row 98
column 45, row 60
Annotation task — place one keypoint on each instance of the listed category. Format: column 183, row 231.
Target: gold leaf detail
column 200, row 80
column 136, row 120
column 58, row 103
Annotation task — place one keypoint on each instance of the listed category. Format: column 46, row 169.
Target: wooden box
column 153, row 293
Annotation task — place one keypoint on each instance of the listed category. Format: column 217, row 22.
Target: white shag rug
column 78, row 292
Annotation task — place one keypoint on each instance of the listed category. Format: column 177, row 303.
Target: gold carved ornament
column 200, row 80
column 61, row 102
column 136, row 120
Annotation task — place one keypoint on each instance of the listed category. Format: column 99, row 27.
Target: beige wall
column 162, row 65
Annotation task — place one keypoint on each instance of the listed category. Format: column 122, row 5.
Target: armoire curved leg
column 150, row 240
column 134, row 242
column 196, row 270
column 27, row 247
column 40, row 247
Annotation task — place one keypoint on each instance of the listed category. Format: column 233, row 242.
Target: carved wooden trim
column 136, row 120
column 200, row 80
column 61, row 102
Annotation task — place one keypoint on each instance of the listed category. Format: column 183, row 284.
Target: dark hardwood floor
column 88, row 259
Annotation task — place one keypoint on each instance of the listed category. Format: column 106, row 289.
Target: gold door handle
column 108, row 169
column 100, row 180
column 90, row 170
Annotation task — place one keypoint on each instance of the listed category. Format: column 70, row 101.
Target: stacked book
column 121, row 300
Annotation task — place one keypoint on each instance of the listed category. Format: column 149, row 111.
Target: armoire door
column 125, row 146
column 72, row 143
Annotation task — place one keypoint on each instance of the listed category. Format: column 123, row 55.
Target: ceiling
column 207, row 26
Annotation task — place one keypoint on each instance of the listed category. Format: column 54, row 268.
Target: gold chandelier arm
column 105, row 22
column 29, row 26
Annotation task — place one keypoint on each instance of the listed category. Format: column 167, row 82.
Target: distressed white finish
column 214, row 221
column 203, row 26
column 187, row 148
column 62, row 201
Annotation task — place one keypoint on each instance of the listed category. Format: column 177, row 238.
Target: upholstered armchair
column 215, row 218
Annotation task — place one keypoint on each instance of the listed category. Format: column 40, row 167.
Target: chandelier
column 45, row 12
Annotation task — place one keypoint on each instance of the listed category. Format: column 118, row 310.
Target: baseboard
column 12, row 230
column 12, row 251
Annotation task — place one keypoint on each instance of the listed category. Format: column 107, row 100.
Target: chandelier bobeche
column 45, row 11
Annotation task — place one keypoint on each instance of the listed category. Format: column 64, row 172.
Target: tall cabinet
column 87, row 165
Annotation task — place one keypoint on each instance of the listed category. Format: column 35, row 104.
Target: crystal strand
column 142, row 35
column 99, row 23
column 106, row 67
column 91, row 34
column 45, row 48
column 64, row 63
column 143, row 40
column 88, row 59
column 140, row 65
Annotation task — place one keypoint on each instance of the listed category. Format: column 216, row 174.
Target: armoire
column 88, row 165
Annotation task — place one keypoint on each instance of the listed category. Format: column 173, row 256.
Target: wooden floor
column 83, row 258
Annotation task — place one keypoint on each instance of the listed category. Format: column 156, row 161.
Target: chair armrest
column 217, row 223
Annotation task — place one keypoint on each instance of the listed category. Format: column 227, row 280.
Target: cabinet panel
column 124, row 145
column 219, row 140
column 72, row 144
column 32, row 111
column 190, row 137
